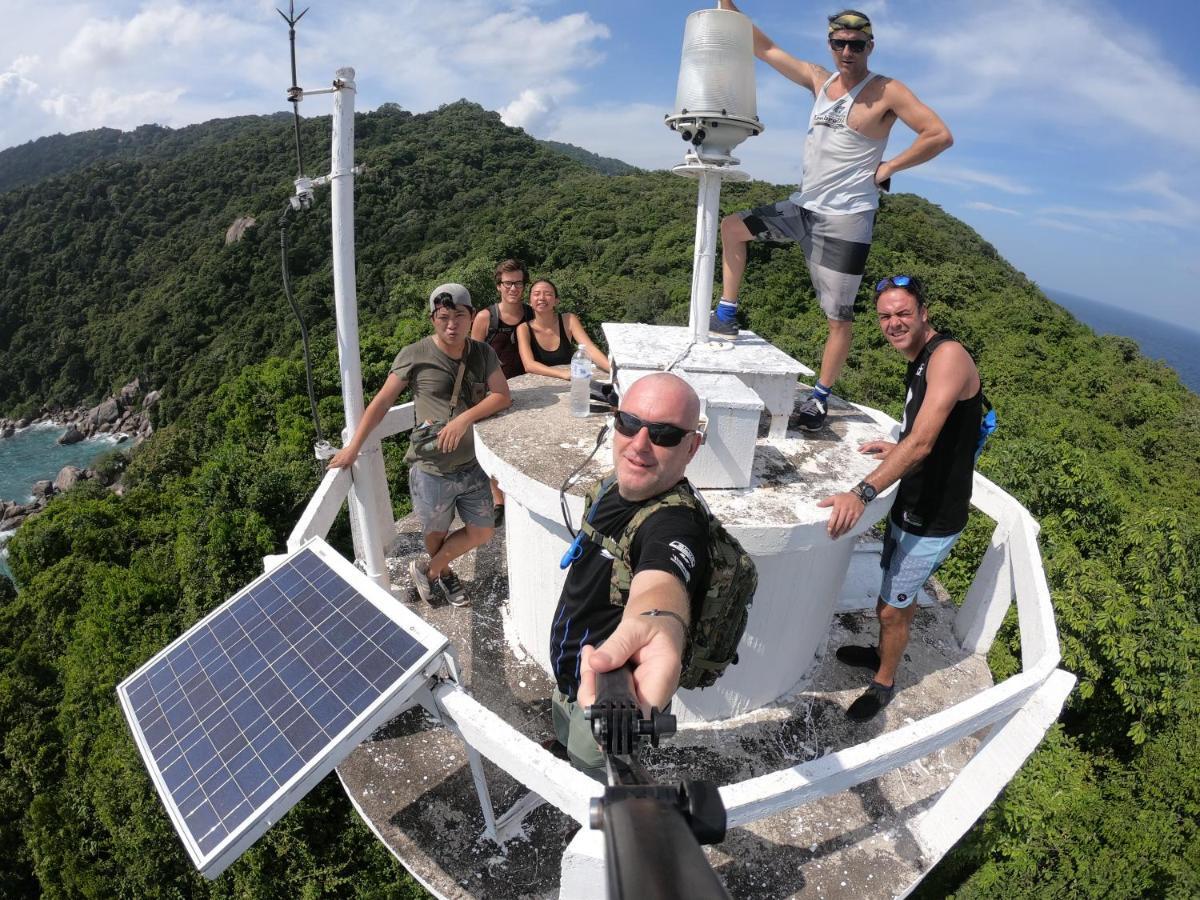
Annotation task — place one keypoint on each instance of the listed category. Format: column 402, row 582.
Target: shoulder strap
column 618, row 549
column 493, row 321
column 462, row 368
column 857, row 89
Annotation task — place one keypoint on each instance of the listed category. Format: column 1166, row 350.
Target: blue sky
column 1077, row 124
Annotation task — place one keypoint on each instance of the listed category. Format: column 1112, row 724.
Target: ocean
column 33, row 454
column 1176, row 345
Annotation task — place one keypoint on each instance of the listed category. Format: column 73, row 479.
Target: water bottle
column 581, row 383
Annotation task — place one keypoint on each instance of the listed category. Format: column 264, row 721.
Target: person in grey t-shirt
column 832, row 214
column 444, row 477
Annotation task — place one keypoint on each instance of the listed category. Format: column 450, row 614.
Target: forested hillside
column 117, row 266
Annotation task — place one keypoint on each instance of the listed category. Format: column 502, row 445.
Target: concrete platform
column 411, row 782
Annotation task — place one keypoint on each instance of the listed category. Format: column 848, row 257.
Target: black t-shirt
column 674, row 539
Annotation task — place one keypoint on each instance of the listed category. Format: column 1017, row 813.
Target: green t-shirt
column 430, row 374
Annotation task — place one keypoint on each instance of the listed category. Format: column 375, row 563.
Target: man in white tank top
column 832, row 214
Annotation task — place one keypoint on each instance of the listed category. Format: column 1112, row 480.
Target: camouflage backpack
column 725, row 603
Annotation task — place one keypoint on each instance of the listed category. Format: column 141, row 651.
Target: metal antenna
column 295, row 92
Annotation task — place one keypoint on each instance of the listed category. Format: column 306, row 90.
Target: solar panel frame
column 198, row 760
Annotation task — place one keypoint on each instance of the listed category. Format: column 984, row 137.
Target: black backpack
column 725, row 603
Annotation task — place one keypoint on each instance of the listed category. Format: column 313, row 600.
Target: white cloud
column 121, row 63
column 965, row 176
column 989, row 207
column 1090, row 68
column 531, row 110
column 161, row 27
column 106, row 107
column 631, row 132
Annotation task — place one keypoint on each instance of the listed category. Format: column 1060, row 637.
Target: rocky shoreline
column 125, row 415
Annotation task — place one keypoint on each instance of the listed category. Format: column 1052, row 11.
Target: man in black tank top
column 934, row 461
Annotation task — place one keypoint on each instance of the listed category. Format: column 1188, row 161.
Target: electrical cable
column 287, row 290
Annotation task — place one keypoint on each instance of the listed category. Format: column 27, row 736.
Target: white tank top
column 839, row 163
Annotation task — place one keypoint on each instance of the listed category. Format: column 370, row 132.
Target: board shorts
column 835, row 248
column 436, row 498
column 908, row 560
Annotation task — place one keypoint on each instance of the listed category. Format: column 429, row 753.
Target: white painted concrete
column 761, row 366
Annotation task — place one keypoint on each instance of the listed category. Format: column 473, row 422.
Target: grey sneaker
column 811, row 414
column 420, row 580
column 450, row 588
column 720, row 326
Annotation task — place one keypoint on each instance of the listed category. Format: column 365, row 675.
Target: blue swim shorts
column 907, row 562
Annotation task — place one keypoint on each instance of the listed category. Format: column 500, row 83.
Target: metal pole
column 708, row 206
column 370, row 507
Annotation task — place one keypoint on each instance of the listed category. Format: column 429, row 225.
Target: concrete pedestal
column 764, row 368
column 535, row 444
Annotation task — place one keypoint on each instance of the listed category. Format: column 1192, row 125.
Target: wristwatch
column 864, row 492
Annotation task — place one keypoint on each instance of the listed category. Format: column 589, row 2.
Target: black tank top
column 935, row 499
column 503, row 338
column 561, row 356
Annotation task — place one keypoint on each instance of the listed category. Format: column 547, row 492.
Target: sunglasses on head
column 856, row 46
column 662, row 434
column 900, row 281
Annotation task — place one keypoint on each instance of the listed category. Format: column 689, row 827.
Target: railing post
column 990, row 594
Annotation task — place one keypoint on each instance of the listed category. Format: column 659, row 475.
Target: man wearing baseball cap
column 832, row 213
column 456, row 382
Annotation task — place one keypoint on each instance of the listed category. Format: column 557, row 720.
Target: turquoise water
column 33, row 455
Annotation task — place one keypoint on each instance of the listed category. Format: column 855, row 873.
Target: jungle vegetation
column 113, row 264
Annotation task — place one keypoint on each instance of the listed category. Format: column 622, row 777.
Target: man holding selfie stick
column 456, row 382
column 832, row 213
column 656, row 434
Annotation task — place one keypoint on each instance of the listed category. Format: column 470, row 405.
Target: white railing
column 1018, row 710
column 321, row 511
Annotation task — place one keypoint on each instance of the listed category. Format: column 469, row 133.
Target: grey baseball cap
column 455, row 293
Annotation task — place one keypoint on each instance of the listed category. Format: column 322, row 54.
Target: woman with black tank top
column 546, row 343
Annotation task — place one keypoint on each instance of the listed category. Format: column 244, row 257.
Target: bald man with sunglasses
column 832, row 214
column 655, row 435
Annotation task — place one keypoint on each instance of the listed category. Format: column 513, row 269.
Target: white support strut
column 370, row 507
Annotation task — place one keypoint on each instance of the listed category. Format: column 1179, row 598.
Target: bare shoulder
column 950, row 362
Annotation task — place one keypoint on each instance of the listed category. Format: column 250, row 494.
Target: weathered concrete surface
column 412, row 782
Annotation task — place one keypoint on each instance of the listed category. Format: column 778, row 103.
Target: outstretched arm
column 372, row 416
column 810, row 75
column 932, row 134
column 580, row 336
column 655, row 644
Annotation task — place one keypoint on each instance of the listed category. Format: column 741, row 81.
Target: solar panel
column 243, row 714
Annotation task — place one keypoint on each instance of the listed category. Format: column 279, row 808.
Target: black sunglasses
column 662, row 434
column 856, row 46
